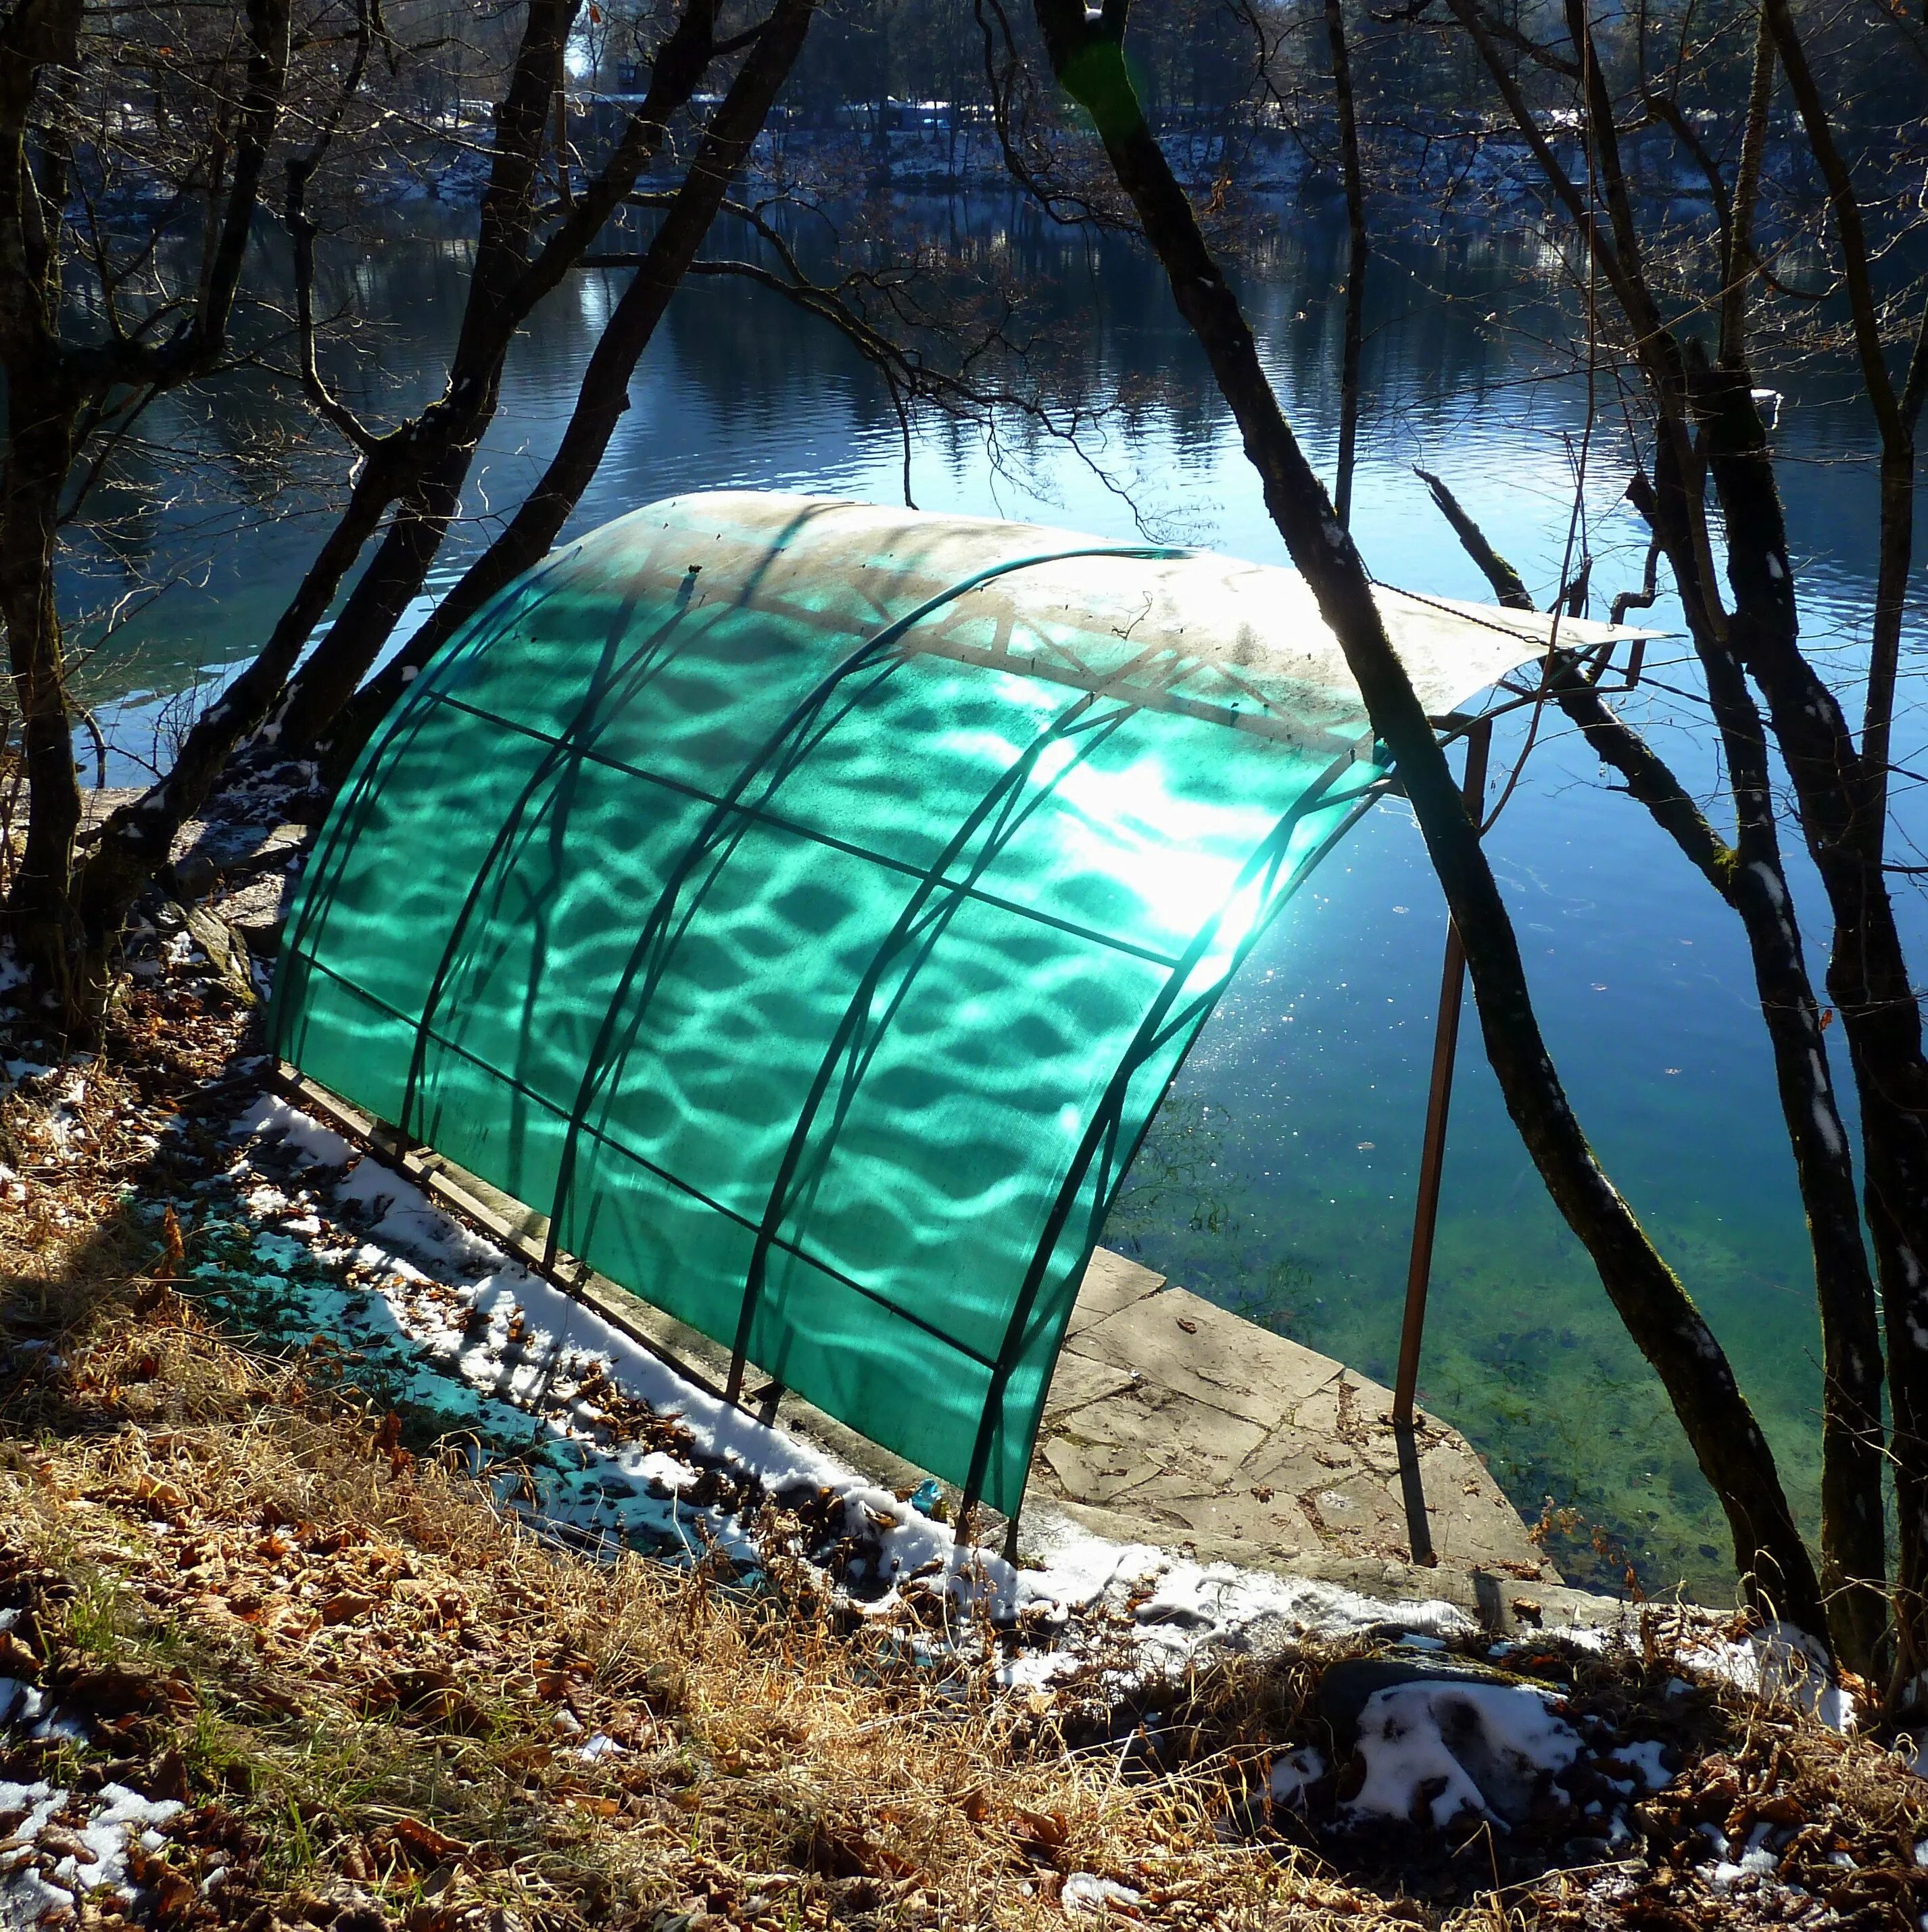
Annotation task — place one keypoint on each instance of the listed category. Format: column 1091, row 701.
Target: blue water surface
column 1280, row 1180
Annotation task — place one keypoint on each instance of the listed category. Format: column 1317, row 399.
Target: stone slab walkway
column 1170, row 1421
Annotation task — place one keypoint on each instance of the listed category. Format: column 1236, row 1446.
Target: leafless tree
column 539, row 213
column 1688, row 309
column 1087, row 57
column 1679, row 312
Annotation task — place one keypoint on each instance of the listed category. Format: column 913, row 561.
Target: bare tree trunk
column 55, row 384
column 135, row 841
column 1086, row 56
column 1843, row 799
column 1839, row 801
column 1895, row 414
column 1853, row 1534
column 506, row 289
column 1356, row 260
column 39, row 451
column 431, row 455
column 1896, row 560
column 1749, row 876
column 1750, row 879
column 394, row 578
column 601, row 403
column 1840, row 798
column 43, row 409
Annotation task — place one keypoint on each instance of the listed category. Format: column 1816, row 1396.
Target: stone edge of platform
column 1488, row 1598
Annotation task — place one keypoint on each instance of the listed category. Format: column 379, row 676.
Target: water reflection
column 1282, row 1178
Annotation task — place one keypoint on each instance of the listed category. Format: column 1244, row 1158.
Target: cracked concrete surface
column 1171, row 1421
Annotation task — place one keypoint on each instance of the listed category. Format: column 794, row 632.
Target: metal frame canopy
column 808, row 904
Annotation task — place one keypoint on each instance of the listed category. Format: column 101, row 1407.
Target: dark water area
column 1279, row 1180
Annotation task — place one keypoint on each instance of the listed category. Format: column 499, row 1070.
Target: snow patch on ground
column 1292, row 1773
column 1458, row 1746
column 497, row 1349
column 1646, row 1761
column 1778, row 1661
column 1085, row 1891
column 99, row 1827
column 1762, row 1863
column 297, row 1131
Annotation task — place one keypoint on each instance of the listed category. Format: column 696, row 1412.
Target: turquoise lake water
column 1280, row 1180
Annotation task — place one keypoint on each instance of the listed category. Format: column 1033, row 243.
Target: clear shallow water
column 1281, row 1179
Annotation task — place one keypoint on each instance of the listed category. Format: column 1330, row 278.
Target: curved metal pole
column 726, row 809
column 1267, row 857
column 338, row 839
column 858, row 1007
column 606, row 690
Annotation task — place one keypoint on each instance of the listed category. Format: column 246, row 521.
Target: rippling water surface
column 1280, row 1180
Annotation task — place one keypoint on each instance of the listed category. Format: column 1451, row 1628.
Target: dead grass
column 374, row 1691
column 255, row 1597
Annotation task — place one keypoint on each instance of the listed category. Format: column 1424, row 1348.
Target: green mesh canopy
column 806, row 905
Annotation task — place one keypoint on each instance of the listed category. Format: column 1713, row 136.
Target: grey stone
column 1215, row 1357
column 1112, row 1282
column 1346, row 1687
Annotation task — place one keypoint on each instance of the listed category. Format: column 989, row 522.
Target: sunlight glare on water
column 1288, row 1149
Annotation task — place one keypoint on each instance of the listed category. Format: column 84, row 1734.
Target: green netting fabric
column 807, row 905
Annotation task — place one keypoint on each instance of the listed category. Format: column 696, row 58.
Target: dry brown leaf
column 425, row 1844
column 1045, row 1831
column 164, row 1495
column 173, row 1249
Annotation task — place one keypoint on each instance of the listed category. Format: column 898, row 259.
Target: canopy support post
column 1432, row 1160
column 965, row 1522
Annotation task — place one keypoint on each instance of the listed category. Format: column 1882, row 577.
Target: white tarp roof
column 1242, row 643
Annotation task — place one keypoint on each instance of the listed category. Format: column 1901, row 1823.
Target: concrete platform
column 1172, row 1421
column 1190, row 1422
column 1169, row 1421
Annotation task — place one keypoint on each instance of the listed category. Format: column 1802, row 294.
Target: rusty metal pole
column 1432, row 1153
